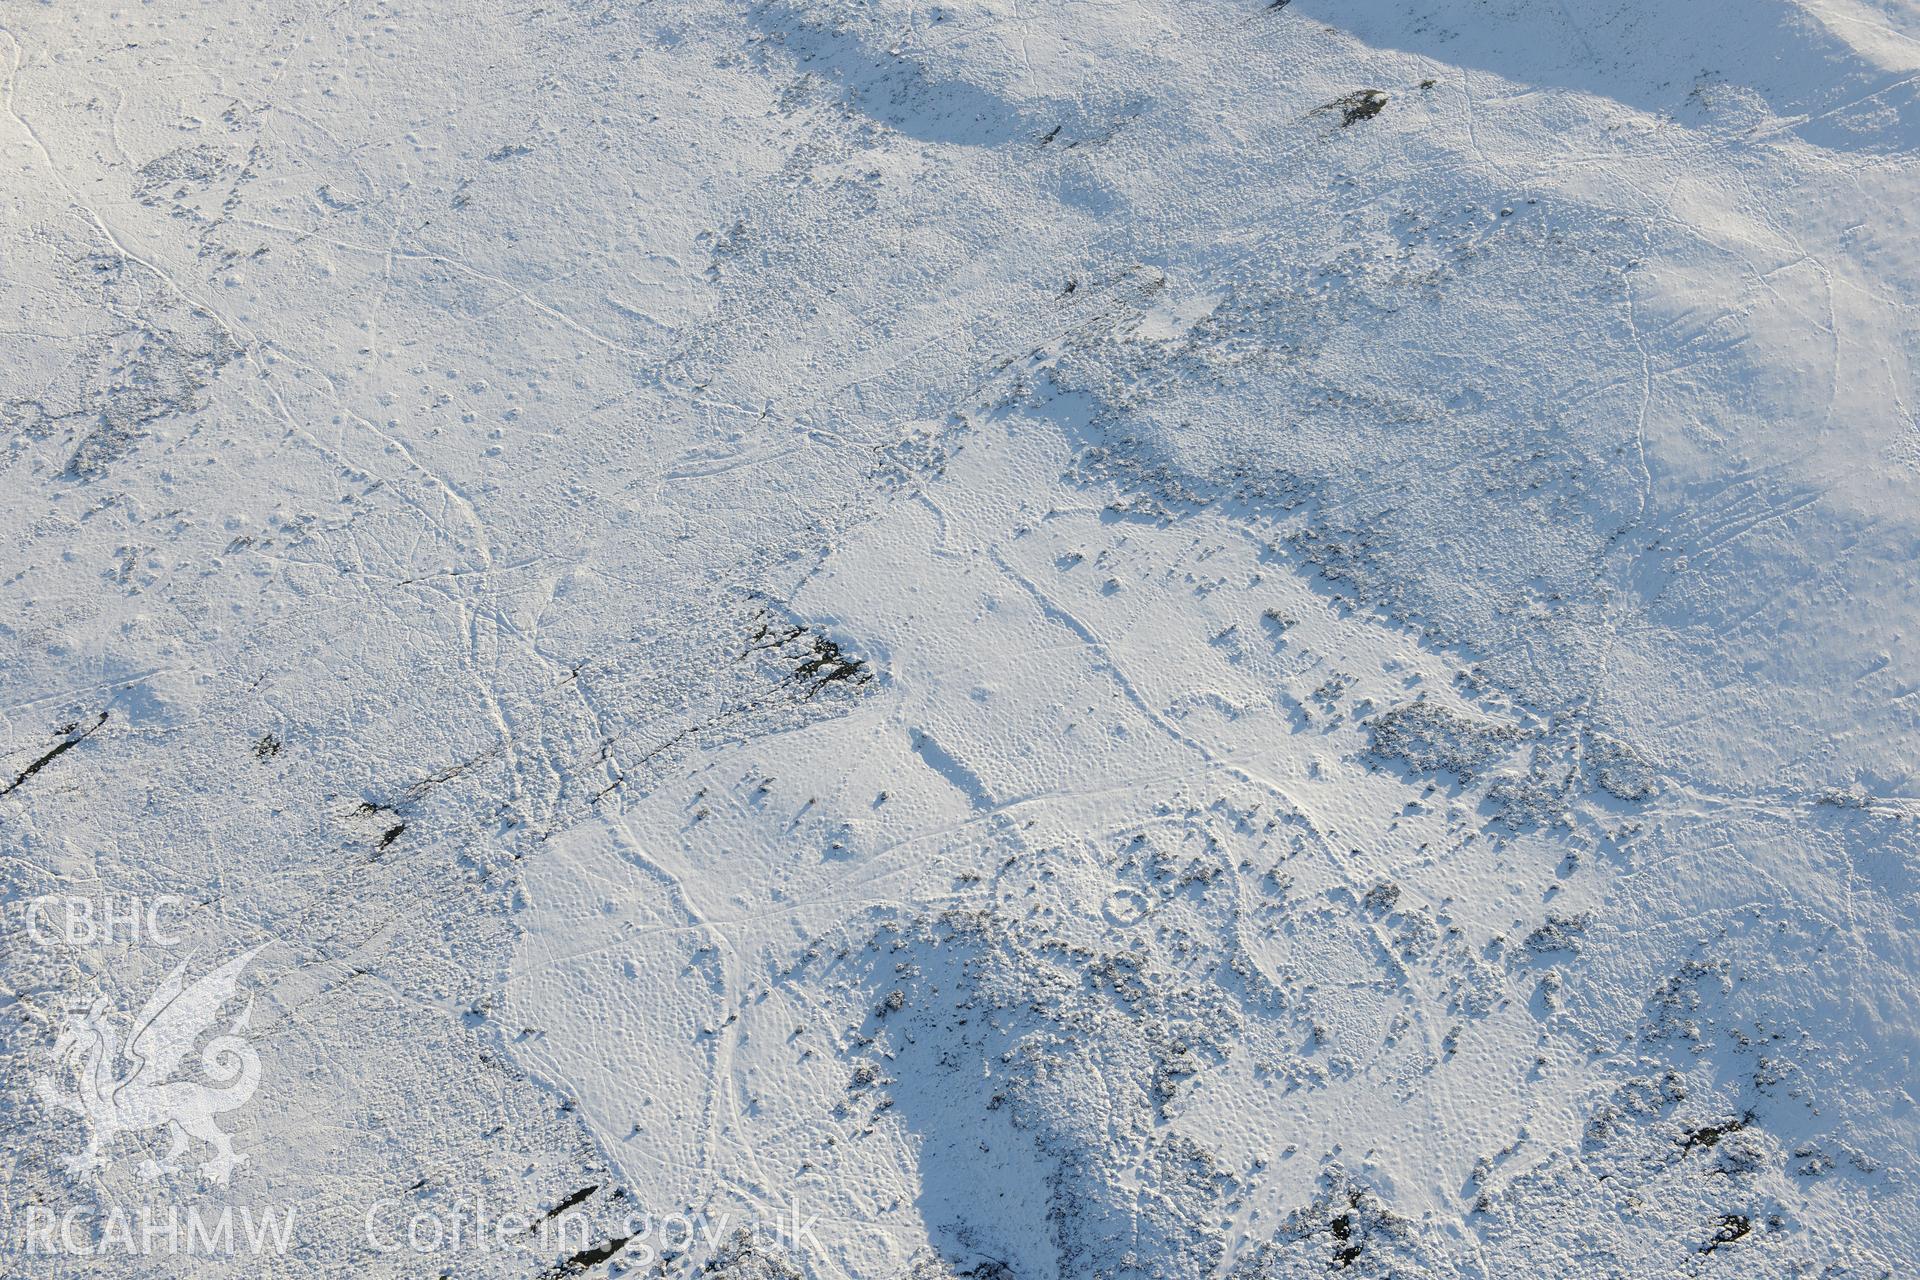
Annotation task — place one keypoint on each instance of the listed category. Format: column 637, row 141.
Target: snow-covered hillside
column 884, row 640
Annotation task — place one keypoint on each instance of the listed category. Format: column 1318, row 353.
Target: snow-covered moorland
column 896, row 640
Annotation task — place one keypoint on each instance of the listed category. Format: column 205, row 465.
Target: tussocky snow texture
column 1130, row 639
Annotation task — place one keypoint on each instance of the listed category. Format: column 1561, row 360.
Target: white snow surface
column 1098, row 639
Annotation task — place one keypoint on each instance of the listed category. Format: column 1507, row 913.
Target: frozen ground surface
column 1161, row 638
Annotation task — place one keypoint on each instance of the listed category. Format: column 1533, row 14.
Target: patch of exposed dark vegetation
column 592, row 1256
column 1381, row 898
column 1813, row 1161
column 1343, row 1225
column 812, row 661
column 1731, row 1227
column 783, row 673
column 1428, row 739
column 1361, row 104
column 1557, row 934
column 1341, row 1228
column 576, row 1198
column 1709, row 1135
column 267, row 747
column 72, row 735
